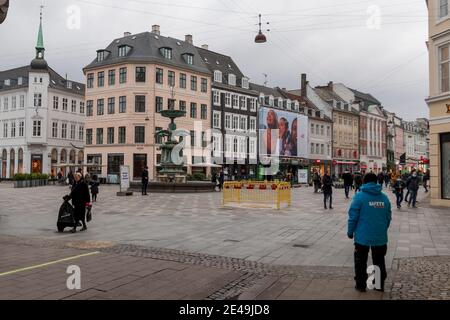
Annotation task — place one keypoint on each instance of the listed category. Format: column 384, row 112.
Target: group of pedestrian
column 218, row 179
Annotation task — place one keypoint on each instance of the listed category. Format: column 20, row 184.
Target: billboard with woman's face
column 282, row 133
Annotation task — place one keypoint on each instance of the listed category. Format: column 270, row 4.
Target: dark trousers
column 347, row 190
column 80, row 215
column 327, row 195
column 399, row 196
column 406, row 197
column 94, row 197
column 361, row 255
column 144, row 187
column 412, row 197
column 425, row 186
column 316, row 186
column 357, row 188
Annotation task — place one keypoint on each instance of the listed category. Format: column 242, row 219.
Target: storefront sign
column 124, row 177
column 302, row 176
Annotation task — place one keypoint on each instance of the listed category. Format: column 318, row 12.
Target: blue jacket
column 369, row 216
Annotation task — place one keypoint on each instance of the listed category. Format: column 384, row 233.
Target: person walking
column 348, row 182
column 80, row 198
column 316, row 181
column 387, row 179
column 358, row 182
column 398, row 187
column 327, row 189
column 426, row 178
column 144, row 181
column 369, row 217
column 405, row 178
column 94, row 187
column 380, row 179
column 70, row 177
column 221, row 179
column 413, row 186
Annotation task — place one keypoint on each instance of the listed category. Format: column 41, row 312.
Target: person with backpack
column 327, row 189
column 369, row 218
column 398, row 187
column 413, row 186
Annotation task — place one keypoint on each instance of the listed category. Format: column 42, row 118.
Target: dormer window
column 7, row 82
column 271, row 101
column 69, row 84
column 318, row 114
column 102, row 55
column 245, row 84
column 346, row 106
column 124, row 50
column 166, row 53
column 217, row 76
column 19, row 81
column 231, row 79
column 339, row 105
column 296, row 106
column 189, row 58
column 280, row 102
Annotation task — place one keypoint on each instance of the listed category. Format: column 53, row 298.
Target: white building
column 41, row 118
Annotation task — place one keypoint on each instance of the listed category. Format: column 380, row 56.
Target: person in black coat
column 348, row 182
column 144, row 181
column 94, row 187
column 80, row 197
column 327, row 188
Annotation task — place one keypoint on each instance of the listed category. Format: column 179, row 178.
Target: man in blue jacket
column 369, row 218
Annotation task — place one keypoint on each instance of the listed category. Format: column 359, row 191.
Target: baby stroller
column 66, row 215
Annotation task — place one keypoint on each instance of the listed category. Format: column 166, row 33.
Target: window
column 139, row 162
column 139, row 105
column 99, row 135
column 139, row 134
column 80, row 133
column 13, row 129
column 159, row 75
column 22, row 101
column 445, row 163
column 21, row 128
column 101, row 55
column 182, row 81
column 444, row 64
column 171, row 78
column 228, row 121
column 122, row 134
column 182, row 105
column 82, row 107
column 216, row 98
column 189, row 58
column 192, row 134
column 204, row 111
column 245, row 83
column 252, row 124
column 123, row 50
column 89, row 108
column 72, row 131
column 110, row 136
column 159, row 138
column 114, row 163
column 74, row 106
column 88, row 136
column 55, row 103
column 243, row 123
column 64, row 106
column 252, row 104
column 122, row 104
column 231, row 79
column 100, row 107
column 111, row 105
column 170, row 104
column 216, row 119
column 235, row 100
column 90, row 80
column 193, row 83
column 317, row 129
column 217, row 76
column 37, row 101
column 122, row 75
column 101, row 79
column 235, row 122
column 64, row 131
column 36, row 128
column 166, row 53
column 322, row 130
column 322, row 149
column 243, row 103
column 227, row 99
column 443, row 8
column 13, row 103
column 140, row 74
column 317, row 149
column 204, row 85
column 159, row 104
column 111, row 77
column 312, row 128
column 193, row 110
column 5, row 129
column 328, row 131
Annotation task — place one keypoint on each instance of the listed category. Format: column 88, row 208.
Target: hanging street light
column 260, row 37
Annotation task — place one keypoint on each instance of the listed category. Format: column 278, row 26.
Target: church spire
column 40, row 39
column 39, row 61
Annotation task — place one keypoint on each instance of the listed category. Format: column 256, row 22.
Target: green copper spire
column 40, row 39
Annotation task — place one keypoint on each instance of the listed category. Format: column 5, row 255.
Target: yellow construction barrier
column 257, row 193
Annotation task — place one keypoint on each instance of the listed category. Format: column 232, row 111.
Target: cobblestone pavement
column 304, row 234
column 123, row 271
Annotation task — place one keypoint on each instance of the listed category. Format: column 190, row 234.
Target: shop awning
column 346, row 162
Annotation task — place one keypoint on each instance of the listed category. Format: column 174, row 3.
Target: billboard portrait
column 282, row 133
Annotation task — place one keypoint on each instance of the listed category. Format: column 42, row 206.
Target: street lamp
column 260, row 37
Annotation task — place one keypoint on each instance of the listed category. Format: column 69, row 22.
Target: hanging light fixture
column 4, row 4
column 260, row 37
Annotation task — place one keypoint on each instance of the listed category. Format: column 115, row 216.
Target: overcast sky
column 374, row 46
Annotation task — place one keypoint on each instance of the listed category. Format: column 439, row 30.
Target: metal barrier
column 258, row 193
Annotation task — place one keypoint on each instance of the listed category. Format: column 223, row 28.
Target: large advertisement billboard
column 282, row 133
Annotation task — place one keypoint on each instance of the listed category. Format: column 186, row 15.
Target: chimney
column 303, row 86
column 126, row 34
column 188, row 39
column 330, row 85
column 284, row 89
column 156, row 29
column 205, row 46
